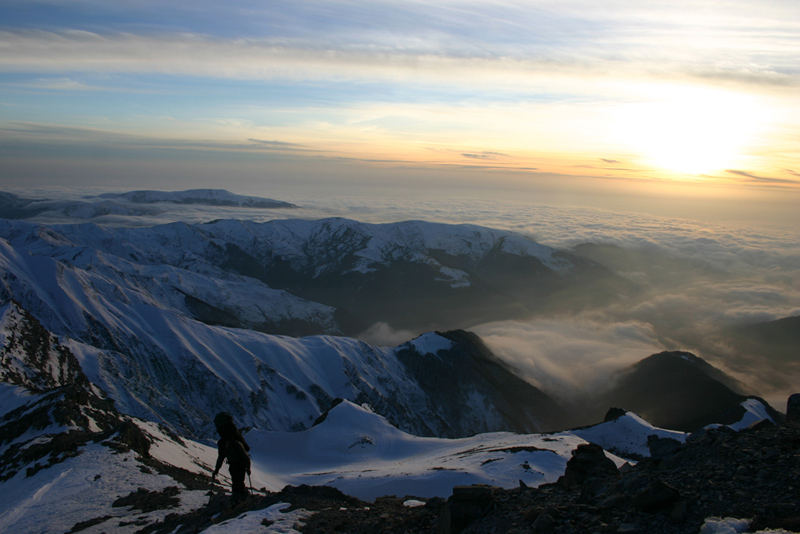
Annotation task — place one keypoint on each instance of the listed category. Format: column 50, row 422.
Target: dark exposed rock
column 83, row 525
column 544, row 523
column 148, row 501
column 132, row 436
column 677, row 390
column 32, row 357
column 588, row 461
column 613, row 414
column 468, row 368
column 656, row 496
column 465, row 505
column 793, row 409
column 662, row 447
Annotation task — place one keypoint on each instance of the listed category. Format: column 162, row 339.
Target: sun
column 692, row 131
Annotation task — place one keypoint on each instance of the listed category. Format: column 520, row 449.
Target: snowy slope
column 160, row 365
column 148, row 312
column 65, row 282
column 353, row 449
column 627, row 434
column 70, row 461
column 360, row 453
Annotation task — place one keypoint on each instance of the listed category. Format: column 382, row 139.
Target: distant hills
column 129, row 204
column 203, row 197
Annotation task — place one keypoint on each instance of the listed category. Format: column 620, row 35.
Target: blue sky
column 664, row 93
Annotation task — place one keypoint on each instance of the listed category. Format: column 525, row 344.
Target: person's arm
column 220, row 460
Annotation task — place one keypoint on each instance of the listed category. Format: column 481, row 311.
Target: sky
column 684, row 100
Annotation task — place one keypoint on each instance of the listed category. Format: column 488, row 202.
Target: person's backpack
column 237, row 455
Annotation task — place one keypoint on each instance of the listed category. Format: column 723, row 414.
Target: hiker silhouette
column 233, row 448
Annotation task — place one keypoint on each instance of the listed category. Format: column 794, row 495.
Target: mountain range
column 170, row 321
column 128, row 204
column 118, row 345
column 72, row 462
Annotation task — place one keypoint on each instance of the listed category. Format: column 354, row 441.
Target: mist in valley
column 721, row 292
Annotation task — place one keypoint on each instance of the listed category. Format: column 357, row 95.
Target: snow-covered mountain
column 204, row 197
column 302, row 277
column 150, row 313
column 128, row 206
column 165, row 319
column 165, row 367
column 72, row 462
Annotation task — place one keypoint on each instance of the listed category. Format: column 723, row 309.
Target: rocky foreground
column 752, row 474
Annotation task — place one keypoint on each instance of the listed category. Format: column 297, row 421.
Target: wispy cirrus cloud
column 552, row 83
column 751, row 177
column 269, row 57
column 486, row 155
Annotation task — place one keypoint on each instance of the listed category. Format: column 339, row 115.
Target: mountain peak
column 678, row 390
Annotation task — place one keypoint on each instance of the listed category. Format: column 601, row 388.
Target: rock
column 465, row 505
column 793, row 409
column 679, row 511
column 613, row 501
column 778, row 516
column 758, row 425
column 662, row 447
column 544, row 523
column 613, row 414
column 131, row 436
column 655, row 497
column 588, row 462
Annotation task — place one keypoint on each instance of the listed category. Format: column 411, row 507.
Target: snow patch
column 277, row 520
column 392, row 462
column 755, row 411
column 627, row 434
column 431, row 343
column 84, row 487
column 730, row 525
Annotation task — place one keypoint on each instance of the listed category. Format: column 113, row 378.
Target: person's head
column 225, row 425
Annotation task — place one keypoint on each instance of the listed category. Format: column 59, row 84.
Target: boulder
column 662, row 447
column 465, row 505
column 588, row 462
column 656, row 496
column 793, row 409
column 613, row 414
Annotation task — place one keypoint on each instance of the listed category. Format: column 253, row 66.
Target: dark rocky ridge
column 32, row 357
column 676, row 390
column 751, row 474
column 451, row 376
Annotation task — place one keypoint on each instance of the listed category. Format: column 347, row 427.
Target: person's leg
column 237, row 482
